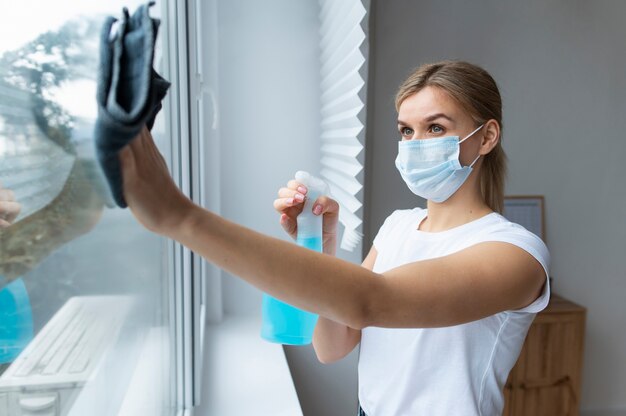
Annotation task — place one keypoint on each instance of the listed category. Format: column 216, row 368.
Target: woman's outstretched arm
column 467, row 285
column 313, row 281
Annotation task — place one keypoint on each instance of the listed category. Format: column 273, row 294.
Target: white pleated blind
column 343, row 48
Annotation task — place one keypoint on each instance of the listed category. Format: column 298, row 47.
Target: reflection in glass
column 83, row 288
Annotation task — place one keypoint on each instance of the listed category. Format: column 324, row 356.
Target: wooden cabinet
column 546, row 379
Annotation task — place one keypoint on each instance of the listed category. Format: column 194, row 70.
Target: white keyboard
column 64, row 354
column 67, row 346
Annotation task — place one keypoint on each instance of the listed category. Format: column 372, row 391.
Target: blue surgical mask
column 431, row 167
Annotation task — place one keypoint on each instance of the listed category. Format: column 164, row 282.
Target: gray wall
column 561, row 68
column 269, row 128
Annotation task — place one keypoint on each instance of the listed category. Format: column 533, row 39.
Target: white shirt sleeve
column 526, row 240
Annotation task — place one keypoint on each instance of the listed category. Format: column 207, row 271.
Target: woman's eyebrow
column 429, row 119
column 438, row 115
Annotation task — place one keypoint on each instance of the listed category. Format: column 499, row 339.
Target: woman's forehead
column 428, row 102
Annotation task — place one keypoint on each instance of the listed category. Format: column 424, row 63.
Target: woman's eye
column 436, row 128
column 405, row 131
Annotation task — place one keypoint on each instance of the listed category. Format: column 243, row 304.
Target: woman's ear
column 491, row 136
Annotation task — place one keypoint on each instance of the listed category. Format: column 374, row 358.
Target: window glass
column 84, row 289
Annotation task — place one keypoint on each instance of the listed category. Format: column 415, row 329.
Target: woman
column 460, row 284
column 443, row 300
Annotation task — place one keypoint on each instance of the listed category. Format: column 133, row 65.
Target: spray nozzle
column 315, row 185
column 310, row 225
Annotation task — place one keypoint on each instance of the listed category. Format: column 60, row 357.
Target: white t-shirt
column 449, row 371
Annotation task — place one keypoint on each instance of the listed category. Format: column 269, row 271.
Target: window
column 86, row 294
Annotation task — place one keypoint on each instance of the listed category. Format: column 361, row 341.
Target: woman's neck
column 459, row 209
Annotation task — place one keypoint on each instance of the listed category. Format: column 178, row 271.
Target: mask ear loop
column 467, row 137
column 470, row 135
column 477, row 157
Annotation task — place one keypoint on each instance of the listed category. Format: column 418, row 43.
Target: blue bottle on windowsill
column 283, row 323
column 16, row 319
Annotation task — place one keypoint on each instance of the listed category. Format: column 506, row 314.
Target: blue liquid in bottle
column 286, row 324
column 16, row 320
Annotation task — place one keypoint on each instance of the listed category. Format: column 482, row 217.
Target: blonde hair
column 476, row 91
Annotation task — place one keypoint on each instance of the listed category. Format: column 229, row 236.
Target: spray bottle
column 283, row 323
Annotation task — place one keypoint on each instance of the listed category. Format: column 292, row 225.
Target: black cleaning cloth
column 129, row 92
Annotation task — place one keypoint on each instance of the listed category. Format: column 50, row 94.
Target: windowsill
column 244, row 374
column 145, row 392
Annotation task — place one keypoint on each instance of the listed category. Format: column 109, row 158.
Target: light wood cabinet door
column 546, row 379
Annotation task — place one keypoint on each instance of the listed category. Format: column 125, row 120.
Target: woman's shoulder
column 403, row 215
column 500, row 225
column 396, row 222
column 407, row 212
column 499, row 228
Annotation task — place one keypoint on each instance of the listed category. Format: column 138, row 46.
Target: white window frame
column 187, row 272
